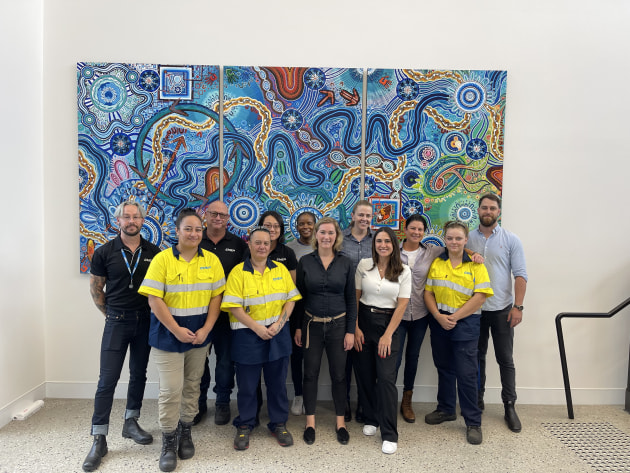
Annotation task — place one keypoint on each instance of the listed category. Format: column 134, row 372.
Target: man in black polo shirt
column 230, row 250
column 120, row 265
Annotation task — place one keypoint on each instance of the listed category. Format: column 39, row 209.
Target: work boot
column 474, row 435
column 282, row 435
column 241, row 441
column 131, row 430
column 511, row 418
column 97, row 452
column 222, row 414
column 168, row 457
column 405, row 407
column 186, row 447
column 437, row 417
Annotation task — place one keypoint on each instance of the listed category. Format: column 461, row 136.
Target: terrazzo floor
column 56, row 439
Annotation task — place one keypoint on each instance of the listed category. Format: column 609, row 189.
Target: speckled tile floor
column 56, row 439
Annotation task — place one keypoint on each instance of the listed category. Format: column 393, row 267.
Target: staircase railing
column 563, row 355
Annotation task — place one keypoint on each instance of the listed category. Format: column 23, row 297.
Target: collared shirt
column 108, row 262
column 186, row 288
column 354, row 249
column 263, row 297
column 416, row 309
column 327, row 292
column 453, row 287
column 504, row 258
column 300, row 249
column 380, row 292
column 230, row 249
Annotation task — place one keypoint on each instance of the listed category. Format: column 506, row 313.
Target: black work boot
column 511, row 418
column 186, row 447
column 97, row 452
column 168, row 457
column 131, row 430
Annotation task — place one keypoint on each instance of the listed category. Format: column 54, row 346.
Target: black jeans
column 495, row 322
column 376, row 376
column 122, row 330
column 329, row 336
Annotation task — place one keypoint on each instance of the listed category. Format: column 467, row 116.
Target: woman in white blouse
column 383, row 285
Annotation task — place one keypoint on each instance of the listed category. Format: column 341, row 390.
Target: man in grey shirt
column 504, row 259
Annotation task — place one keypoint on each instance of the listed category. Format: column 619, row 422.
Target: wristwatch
column 519, row 307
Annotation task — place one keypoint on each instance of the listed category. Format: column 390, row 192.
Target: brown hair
column 395, row 265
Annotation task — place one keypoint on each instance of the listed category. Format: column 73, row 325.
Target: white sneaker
column 389, row 447
column 369, row 430
column 297, row 408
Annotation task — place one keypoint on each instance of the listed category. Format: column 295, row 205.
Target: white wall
column 22, row 340
column 566, row 152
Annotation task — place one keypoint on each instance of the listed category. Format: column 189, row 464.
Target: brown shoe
column 406, row 409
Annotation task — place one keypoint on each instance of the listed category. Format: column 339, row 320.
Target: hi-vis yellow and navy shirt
column 186, row 288
column 263, row 297
column 453, row 287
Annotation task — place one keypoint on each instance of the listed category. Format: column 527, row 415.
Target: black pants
column 495, row 322
column 329, row 336
column 376, row 376
column 122, row 330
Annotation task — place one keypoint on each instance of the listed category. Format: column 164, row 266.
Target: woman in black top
column 280, row 252
column 328, row 310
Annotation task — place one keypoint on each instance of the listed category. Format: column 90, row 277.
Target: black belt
column 378, row 310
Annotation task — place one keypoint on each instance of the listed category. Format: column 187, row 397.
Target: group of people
column 357, row 294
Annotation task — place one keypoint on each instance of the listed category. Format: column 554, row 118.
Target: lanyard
column 131, row 273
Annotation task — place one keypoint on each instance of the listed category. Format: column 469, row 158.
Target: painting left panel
column 147, row 132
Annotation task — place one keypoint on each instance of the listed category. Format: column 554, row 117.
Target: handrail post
column 565, row 369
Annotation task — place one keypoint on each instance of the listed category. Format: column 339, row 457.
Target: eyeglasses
column 272, row 226
column 127, row 218
column 218, row 214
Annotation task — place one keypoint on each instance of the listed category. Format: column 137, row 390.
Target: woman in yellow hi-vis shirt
column 184, row 285
column 455, row 291
column 260, row 296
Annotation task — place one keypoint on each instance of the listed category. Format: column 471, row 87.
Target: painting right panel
column 434, row 144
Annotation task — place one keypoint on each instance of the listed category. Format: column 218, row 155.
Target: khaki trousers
column 180, row 375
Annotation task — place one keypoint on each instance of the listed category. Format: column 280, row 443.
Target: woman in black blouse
column 328, row 310
column 280, row 252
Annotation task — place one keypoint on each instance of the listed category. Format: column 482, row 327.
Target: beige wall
column 565, row 174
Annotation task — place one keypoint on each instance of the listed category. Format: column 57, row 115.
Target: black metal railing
column 563, row 355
